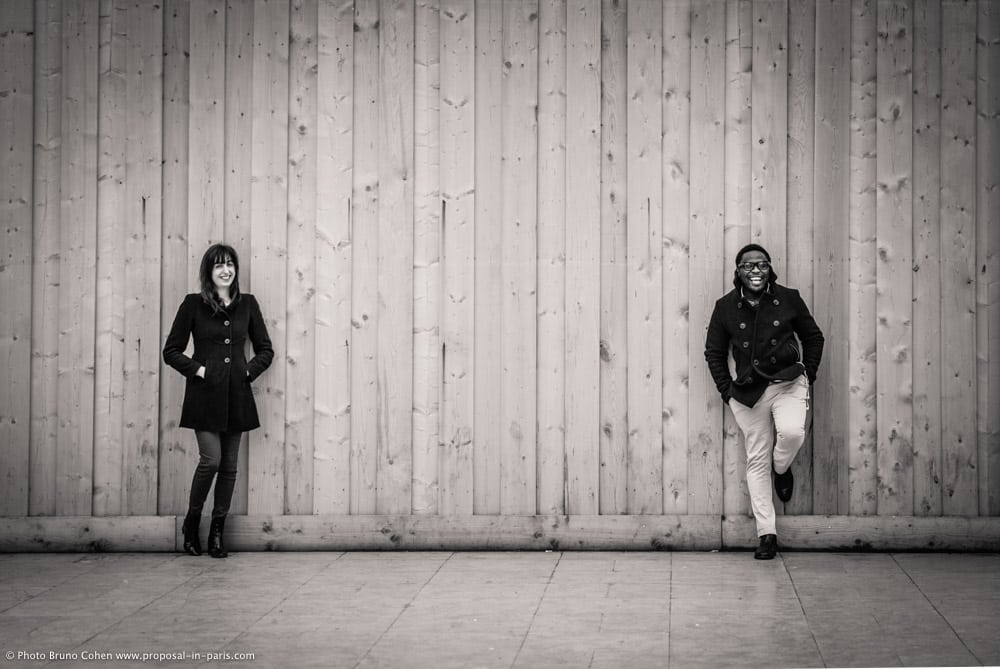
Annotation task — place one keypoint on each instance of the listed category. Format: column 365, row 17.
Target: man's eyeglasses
column 762, row 265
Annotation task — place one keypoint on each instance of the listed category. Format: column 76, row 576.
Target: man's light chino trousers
column 774, row 429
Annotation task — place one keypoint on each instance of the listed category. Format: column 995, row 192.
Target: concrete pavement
column 508, row 609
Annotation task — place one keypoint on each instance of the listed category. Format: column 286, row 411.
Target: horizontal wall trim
column 876, row 533
column 87, row 534
column 471, row 533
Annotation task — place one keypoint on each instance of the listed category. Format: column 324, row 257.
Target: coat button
column 746, row 344
column 773, row 359
column 776, row 323
column 774, row 342
column 776, row 303
column 743, row 326
column 226, row 323
column 227, row 361
column 227, row 341
column 756, row 362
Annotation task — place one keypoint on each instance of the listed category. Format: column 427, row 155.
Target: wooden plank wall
column 809, row 58
column 830, row 207
column 487, row 238
column 454, row 294
column 739, row 110
column 707, row 266
column 427, row 225
column 16, row 126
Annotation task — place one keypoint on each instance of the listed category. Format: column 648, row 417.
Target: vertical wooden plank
column 583, row 256
column 988, row 253
column 519, row 228
column 739, row 72
column 112, row 175
column 364, row 262
column 770, row 130
column 78, row 251
column 674, row 290
column 143, row 223
column 830, row 251
column 458, row 225
column 861, row 408
column 769, row 122
column 17, row 64
column 335, row 97
column 46, row 179
column 394, row 358
column 927, row 257
column 489, row 287
column 238, row 159
column 645, row 258
column 177, row 447
column 552, row 286
column 300, row 367
column 894, row 225
column 802, row 108
column 803, row 88
column 738, row 175
column 206, row 148
column 707, row 269
column 960, row 457
column 614, row 277
column 207, row 129
column 269, row 246
column 427, row 287
column 238, row 114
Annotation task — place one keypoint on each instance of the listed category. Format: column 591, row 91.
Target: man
column 759, row 321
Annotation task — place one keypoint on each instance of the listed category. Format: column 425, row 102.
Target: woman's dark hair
column 218, row 253
column 773, row 278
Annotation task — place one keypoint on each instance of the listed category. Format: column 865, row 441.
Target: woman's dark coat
column 223, row 400
column 762, row 341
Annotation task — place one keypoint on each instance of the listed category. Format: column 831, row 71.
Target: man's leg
column 790, row 410
column 755, row 423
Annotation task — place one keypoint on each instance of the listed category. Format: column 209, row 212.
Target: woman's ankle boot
column 216, row 547
column 192, row 542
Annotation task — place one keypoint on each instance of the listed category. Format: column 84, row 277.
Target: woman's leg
column 210, row 451
column 225, row 482
column 790, row 410
column 755, row 423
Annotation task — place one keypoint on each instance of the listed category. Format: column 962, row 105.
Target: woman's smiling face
column 754, row 269
column 224, row 273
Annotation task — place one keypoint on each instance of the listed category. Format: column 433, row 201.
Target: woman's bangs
column 222, row 257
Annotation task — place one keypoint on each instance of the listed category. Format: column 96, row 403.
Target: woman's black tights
column 218, row 451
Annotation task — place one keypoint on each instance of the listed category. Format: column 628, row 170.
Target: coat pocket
column 214, row 372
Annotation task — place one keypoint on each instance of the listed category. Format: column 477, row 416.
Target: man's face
column 754, row 270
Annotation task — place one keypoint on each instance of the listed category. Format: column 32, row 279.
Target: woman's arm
column 177, row 340
column 257, row 331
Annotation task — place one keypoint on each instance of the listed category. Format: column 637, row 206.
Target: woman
column 218, row 400
column 758, row 322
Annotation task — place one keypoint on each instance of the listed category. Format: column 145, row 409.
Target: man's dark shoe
column 784, row 484
column 768, row 547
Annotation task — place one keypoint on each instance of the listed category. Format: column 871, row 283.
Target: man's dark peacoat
column 223, row 400
column 763, row 342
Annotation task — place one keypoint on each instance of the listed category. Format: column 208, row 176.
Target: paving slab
column 500, row 609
